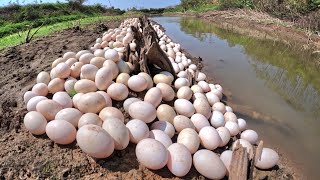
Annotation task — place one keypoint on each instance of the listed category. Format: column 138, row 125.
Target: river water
column 270, row 77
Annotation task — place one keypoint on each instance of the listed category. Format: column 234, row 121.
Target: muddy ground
column 24, row 156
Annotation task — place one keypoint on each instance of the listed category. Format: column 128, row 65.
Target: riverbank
column 260, row 25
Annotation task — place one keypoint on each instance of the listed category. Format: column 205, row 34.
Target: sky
column 122, row 4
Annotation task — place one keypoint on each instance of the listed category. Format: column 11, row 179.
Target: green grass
column 15, row 39
column 197, row 9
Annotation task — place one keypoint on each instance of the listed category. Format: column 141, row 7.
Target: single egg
column 128, row 102
column 184, row 107
column 217, row 119
column 153, row 96
column 179, row 159
column 138, row 130
column 111, row 112
column 233, row 128
column 166, row 113
column 56, row 85
column 189, row 137
column 95, row 141
column 152, row 154
column 219, row 106
column 164, row 126
column 250, row 135
column 230, row 116
column 181, row 122
column 91, row 102
column 28, row 95
column 242, row 124
column 118, row 91
column 226, row 158
column 225, row 136
column 269, row 158
column 89, row 118
column 63, row 99
column 61, row 132
column 143, row 110
column 43, row 77
column 184, row 92
column 85, row 86
column 103, row 78
column 167, row 92
column 118, row 131
column 48, row 108
column 148, row 79
column 137, row 83
column 209, row 138
column 35, row 123
column 161, row 137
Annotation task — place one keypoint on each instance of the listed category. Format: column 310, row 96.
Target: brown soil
column 24, row 156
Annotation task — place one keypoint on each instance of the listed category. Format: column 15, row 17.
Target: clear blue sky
column 122, row 4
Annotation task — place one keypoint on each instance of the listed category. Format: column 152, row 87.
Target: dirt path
column 24, row 156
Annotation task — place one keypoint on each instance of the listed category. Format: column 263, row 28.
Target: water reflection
column 288, row 72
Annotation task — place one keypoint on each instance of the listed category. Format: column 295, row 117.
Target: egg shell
column 198, row 96
column 217, row 119
column 118, row 131
column 137, row 83
column 63, row 99
column 85, row 86
column 69, row 86
column 123, row 78
column 95, row 141
column 204, row 85
column 28, row 95
column 118, row 91
column 91, row 102
column 62, row 70
column 219, row 106
column 43, row 77
column 123, row 67
column 167, row 74
column 202, row 106
column 179, row 160
column 209, row 164
column 152, row 154
column 233, row 128
column 148, row 79
column 269, row 158
column 71, row 61
column 81, row 52
column 199, row 121
column 71, row 115
column 219, row 87
column 88, row 71
column 128, row 102
column 138, row 130
column 99, row 53
column 184, row 92
column 113, row 67
column 166, row 113
column 162, row 78
column 103, row 78
column 69, row 55
column 209, row 138
column 111, row 112
column 212, row 98
column 86, row 58
column 167, row 92
column 229, row 109
column 201, row 77
column 250, row 135
column 217, row 93
column 184, row 107
column 193, row 67
column 76, row 69
column 97, row 61
column 196, row 89
column 35, row 122
column 182, row 74
column 56, row 85
column 143, row 110
column 153, row 96
column 161, row 137
column 242, row 124
column 164, row 126
column 61, row 132
column 89, row 118
column 48, row 108
column 112, row 54
column 180, row 82
column 41, row 89
column 57, row 61
column 246, row 144
column 181, row 122
column 230, row 116
column 189, row 137
column 75, row 99
column 226, row 157
column 106, row 98
column 225, row 136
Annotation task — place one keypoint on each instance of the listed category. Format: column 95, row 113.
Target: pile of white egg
column 84, row 86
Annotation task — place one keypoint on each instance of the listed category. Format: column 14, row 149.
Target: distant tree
column 80, row 2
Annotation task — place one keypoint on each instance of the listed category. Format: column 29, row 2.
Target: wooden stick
column 239, row 165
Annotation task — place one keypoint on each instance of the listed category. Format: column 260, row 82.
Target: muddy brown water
column 275, row 79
